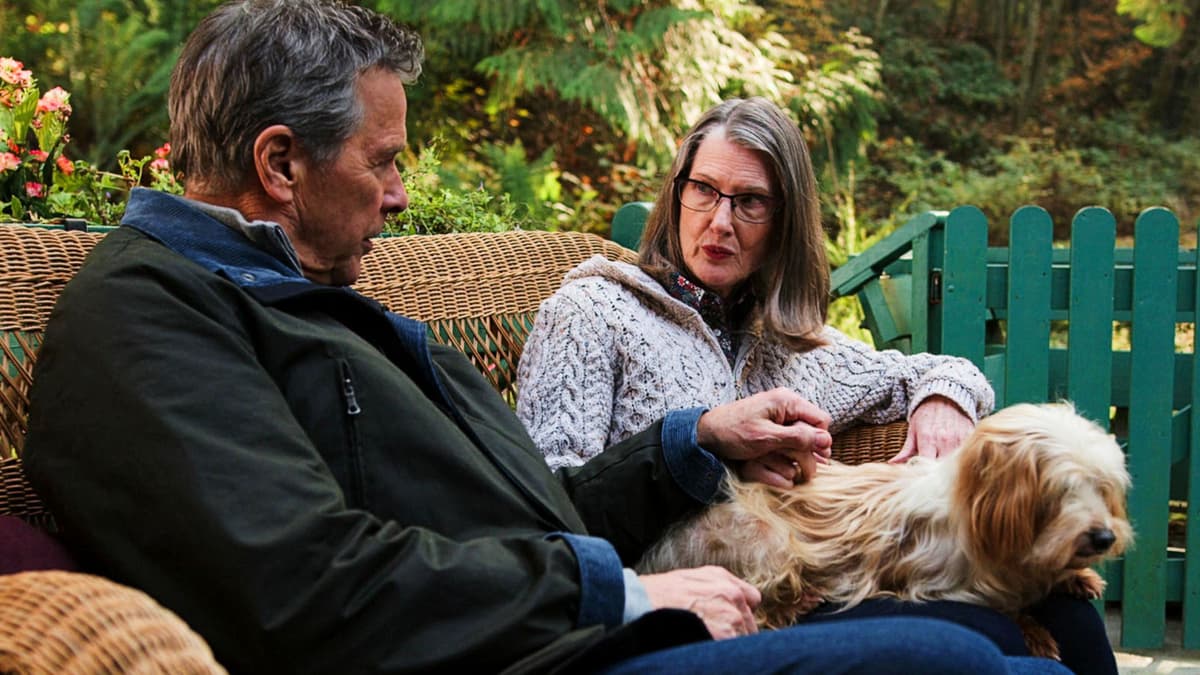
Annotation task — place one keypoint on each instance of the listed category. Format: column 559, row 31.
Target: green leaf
column 1163, row 21
column 22, row 116
column 7, row 123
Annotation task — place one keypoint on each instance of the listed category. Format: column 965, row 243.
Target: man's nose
column 395, row 197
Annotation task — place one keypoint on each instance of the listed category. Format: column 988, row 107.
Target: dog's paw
column 1039, row 640
column 776, row 612
column 1085, row 583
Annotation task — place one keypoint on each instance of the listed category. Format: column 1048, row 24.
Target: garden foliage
column 38, row 181
column 573, row 108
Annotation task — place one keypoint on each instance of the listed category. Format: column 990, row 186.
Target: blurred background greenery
column 552, row 113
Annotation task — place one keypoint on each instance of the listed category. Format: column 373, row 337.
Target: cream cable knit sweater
column 611, row 352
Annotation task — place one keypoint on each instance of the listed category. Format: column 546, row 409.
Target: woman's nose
column 722, row 214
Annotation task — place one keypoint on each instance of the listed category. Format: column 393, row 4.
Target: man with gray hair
column 220, row 421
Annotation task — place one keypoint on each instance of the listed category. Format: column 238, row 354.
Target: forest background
column 553, row 113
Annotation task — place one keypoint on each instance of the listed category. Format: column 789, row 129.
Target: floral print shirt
column 722, row 316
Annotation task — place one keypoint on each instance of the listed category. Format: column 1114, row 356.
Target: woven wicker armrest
column 18, row 498
column 68, row 622
column 869, row 442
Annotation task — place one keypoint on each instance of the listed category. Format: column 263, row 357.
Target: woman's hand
column 935, row 429
column 781, row 471
column 778, row 434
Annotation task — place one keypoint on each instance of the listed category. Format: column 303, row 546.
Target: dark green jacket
column 310, row 485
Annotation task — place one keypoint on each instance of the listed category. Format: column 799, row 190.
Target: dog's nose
column 1101, row 539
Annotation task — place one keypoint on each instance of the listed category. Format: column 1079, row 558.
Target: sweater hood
column 635, row 280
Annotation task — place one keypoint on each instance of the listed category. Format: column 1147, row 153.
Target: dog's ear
column 997, row 494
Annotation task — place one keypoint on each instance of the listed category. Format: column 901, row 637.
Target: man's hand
column 935, row 429
column 778, row 433
column 724, row 602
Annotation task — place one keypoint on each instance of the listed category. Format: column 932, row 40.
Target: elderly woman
column 728, row 299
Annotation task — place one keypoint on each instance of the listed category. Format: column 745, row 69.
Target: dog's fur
column 1034, row 496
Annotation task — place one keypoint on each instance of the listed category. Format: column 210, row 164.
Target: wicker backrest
column 35, row 264
column 479, row 292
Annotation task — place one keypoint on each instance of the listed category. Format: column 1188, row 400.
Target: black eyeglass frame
column 682, row 182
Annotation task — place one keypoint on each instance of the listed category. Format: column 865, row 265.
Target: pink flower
column 35, row 190
column 39, row 155
column 160, row 164
column 65, row 165
column 12, row 71
column 163, row 151
column 53, row 100
column 8, row 161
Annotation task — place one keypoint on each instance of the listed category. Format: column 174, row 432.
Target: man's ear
column 277, row 155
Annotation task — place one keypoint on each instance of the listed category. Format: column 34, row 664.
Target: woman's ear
column 276, row 159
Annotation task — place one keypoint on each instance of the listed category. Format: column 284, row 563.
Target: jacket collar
column 254, row 255
column 218, row 239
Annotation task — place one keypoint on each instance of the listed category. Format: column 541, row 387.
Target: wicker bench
column 478, row 292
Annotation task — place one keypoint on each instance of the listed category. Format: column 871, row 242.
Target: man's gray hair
column 255, row 63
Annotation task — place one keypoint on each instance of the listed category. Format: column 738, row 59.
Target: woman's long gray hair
column 791, row 288
column 254, row 63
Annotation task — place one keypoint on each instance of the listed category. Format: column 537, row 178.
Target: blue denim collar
column 197, row 232
column 185, row 227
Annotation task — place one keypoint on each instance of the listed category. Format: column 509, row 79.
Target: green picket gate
column 1039, row 321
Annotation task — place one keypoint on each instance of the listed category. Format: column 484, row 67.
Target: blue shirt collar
column 219, row 239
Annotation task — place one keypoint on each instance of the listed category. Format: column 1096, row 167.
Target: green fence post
column 964, row 285
column 1191, row 561
column 927, row 251
column 1090, row 316
column 1027, row 365
column 1151, row 384
column 1090, row 311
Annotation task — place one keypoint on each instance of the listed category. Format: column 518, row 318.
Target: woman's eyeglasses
column 747, row 206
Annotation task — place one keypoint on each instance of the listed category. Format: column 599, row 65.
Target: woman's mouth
column 716, row 252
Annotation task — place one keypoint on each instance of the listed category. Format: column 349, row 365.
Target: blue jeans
column 1074, row 623
column 879, row 645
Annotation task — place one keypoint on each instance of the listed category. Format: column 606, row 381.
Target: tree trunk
column 1051, row 22
column 1190, row 89
column 1174, row 99
column 1000, row 20
column 951, row 16
column 1028, row 57
column 1043, row 24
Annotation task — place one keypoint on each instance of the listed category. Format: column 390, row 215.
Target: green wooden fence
column 1039, row 321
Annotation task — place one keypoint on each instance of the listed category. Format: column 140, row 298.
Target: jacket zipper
column 354, row 461
column 352, row 407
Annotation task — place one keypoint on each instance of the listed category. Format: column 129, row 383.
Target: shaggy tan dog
column 1033, row 497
